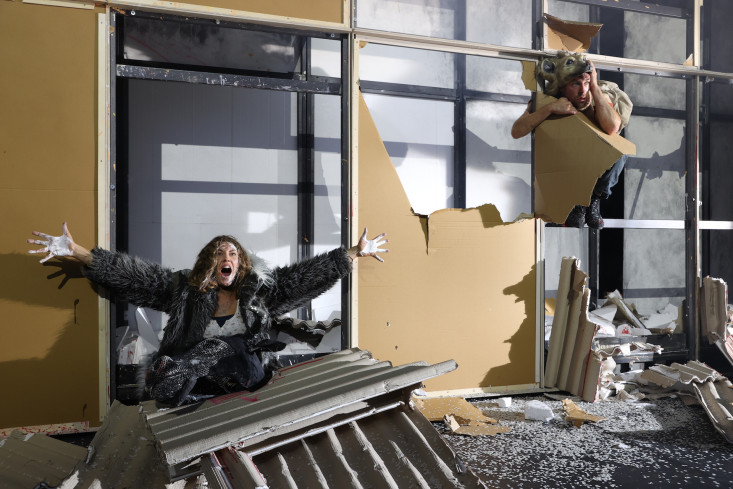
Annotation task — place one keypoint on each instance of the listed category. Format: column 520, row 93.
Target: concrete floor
column 661, row 444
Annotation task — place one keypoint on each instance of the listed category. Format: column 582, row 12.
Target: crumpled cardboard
column 459, row 415
column 568, row 35
column 577, row 416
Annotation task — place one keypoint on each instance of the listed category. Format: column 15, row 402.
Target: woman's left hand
column 370, row 247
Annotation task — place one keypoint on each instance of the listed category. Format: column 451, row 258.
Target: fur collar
column 260, row 269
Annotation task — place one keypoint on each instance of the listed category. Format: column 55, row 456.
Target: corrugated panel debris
column 393, row 449
column 28, row 460
column 341, row 385
column 123, row 455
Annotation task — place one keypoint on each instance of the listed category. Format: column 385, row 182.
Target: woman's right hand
column 54, row 245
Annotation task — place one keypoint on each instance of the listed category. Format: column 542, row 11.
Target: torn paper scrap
column 435, row 409
column 576, row 415
column 470, row 427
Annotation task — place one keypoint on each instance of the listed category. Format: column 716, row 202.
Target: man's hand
column 370, row 247
column 54, row 245
column 562, row 106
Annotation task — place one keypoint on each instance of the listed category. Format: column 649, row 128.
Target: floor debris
column 342, row 420
column 656, row 444
column 577, row 416
column 27, row 460
column 459, row 415
column 538, row 411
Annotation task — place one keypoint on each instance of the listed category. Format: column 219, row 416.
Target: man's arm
column 530, row 120
column 606, row 116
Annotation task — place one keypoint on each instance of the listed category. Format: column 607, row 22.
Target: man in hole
column 575, row 81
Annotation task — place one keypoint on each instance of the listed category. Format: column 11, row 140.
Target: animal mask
column 555, row 72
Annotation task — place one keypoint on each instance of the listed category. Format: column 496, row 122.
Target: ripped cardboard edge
column 460, row 416
column 577, row 416
column 568, row 35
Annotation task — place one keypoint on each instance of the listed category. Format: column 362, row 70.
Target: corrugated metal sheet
column 28, row 460
column 123, row 455
column 338, row 386
column 397, row 448
column 717, row 399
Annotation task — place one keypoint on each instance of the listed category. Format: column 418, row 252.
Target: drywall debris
column 472, row 427
column 715, row 317
column 459, row 415
column 577, row 416
column 615, row 297
column 436, row 408
column 36, row 460
column 504, row 402
column 538, row 410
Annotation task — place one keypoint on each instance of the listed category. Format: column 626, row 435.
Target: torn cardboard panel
column 717, row 399
column 436, row 408
column 472, row 427
column 568, row 35
column 577, row 416
column 572, row 364
column 459, row 415
column 462, row 271
column 564, row 173
column 713, row 305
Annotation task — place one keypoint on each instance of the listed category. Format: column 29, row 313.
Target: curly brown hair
column 203, row 275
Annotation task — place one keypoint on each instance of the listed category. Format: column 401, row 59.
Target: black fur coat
column 264, row 295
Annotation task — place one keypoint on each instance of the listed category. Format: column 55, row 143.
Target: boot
column 576, row 218
column 593, row 213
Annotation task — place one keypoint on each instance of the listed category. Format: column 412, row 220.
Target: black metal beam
column 225, row 24
column 346, row 214
column 634, row 6
column 222, row 79
column 306, row 170
column 659, row 113
column 497, row 97
column 411, row 91
column 116, row 311
column 691, row 220
column 459, row 112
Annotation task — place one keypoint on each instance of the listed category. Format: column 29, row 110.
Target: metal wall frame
column 351, row 35
column 301, row 82
column 693, row 75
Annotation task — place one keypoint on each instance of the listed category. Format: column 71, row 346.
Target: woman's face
column 227, row 264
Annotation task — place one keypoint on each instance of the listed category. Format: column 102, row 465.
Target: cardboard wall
column 48, row 338
column 318, row 10
column 459, row 284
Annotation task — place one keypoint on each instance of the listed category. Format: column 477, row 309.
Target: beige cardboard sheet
column 49, row 334
column 318, row 10
column 567, row 35
column 458, row 284
column 570, row 154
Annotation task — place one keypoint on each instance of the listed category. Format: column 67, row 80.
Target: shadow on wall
column 510, row 193
column 654, row 167
column 517, row 370
column 62, row 385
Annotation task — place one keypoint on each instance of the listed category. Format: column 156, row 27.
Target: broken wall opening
column 244, row 145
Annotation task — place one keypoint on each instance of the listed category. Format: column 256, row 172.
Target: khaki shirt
column 621, row 102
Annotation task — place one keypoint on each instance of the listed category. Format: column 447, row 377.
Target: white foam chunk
column 538, row 410
column 504, row 402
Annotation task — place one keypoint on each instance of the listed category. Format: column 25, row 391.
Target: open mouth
column 226, row 271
